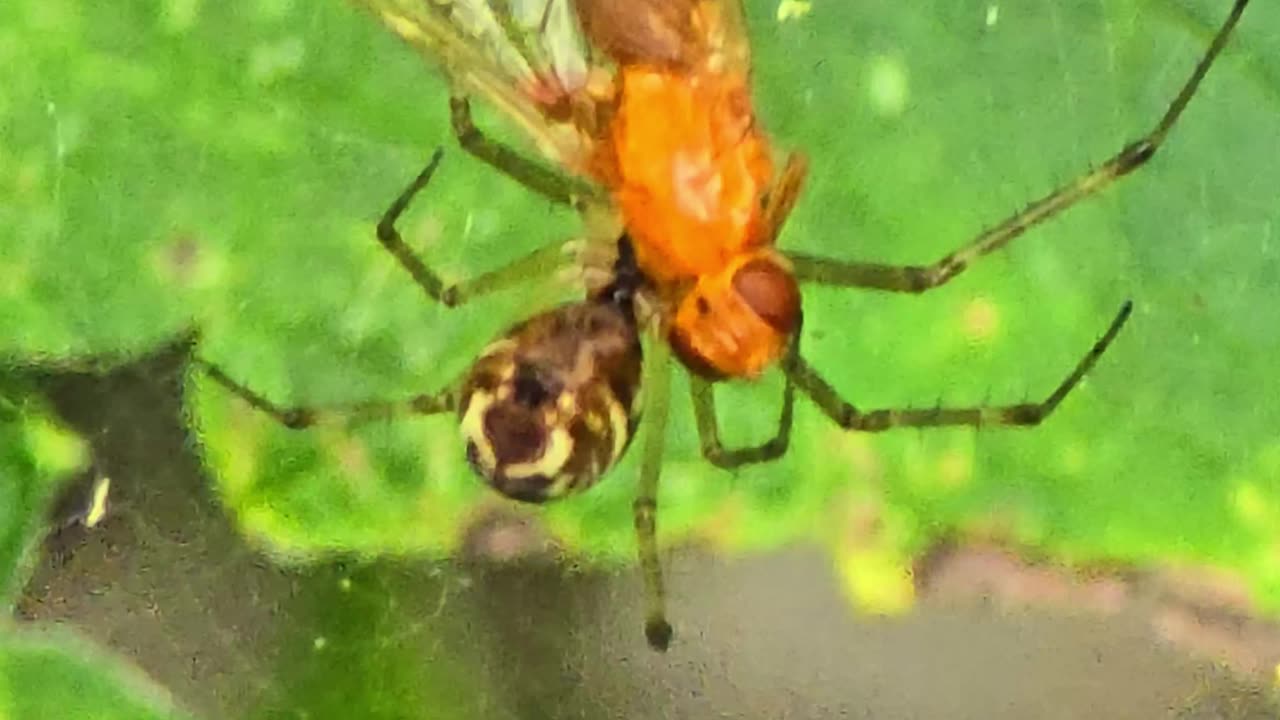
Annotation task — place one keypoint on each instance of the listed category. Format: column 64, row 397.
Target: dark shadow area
column 167, row 582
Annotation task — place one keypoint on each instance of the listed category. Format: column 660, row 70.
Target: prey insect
column 642, row 112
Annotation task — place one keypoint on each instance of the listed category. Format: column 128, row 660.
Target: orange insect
column 643, row 108
column 693, row 176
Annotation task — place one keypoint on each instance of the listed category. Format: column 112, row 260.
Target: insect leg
column 540, row 262
column 704, row 411
column 784, row 193
column 919, row 278
column 1024, row 414
column 657, row 389
column 556, row 187
column 302, row 417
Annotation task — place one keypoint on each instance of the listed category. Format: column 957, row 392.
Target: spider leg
column 300, row 417
column 919, row 278
column 657, row 389
column 1022, row 414
column 555, row 186
column 704, row 411
column 539, row 263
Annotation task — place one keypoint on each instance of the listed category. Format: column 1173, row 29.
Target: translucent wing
column 733, row 42
column 512, row 53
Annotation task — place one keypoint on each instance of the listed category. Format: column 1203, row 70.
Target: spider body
column 549, row 407
column 650, row 126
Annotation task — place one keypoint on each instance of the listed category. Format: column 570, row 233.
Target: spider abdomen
column 551, row 406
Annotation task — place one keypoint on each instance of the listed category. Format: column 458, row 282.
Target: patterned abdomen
column 551, row 406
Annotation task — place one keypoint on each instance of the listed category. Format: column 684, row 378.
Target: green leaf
column 35, row 455
column 224, row 165
column 354, row 639
column 49, row 675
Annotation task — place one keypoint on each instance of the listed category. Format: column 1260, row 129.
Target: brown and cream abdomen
column 552, row 405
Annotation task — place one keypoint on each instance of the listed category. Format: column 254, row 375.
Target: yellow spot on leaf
column 1250, row 504
column 56, row 450
column 14, row 280
column 871, row 557
column 179, row 16
column 793, row 9
column 858, row 451
column 993, row 15
column 271, row 62
column 1074, row 458
column 981, row 320
column 877, row 581
column 955, row 468
column 888, row 87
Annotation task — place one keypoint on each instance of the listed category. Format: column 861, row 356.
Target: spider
column 618, row 119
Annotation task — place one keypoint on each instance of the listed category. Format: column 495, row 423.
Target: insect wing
column 729, row 34
column 504, row 51
column 668, row 32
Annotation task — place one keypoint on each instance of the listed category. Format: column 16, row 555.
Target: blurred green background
column 186, row 165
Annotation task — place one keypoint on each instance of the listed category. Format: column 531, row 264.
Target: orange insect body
column 690, row 172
